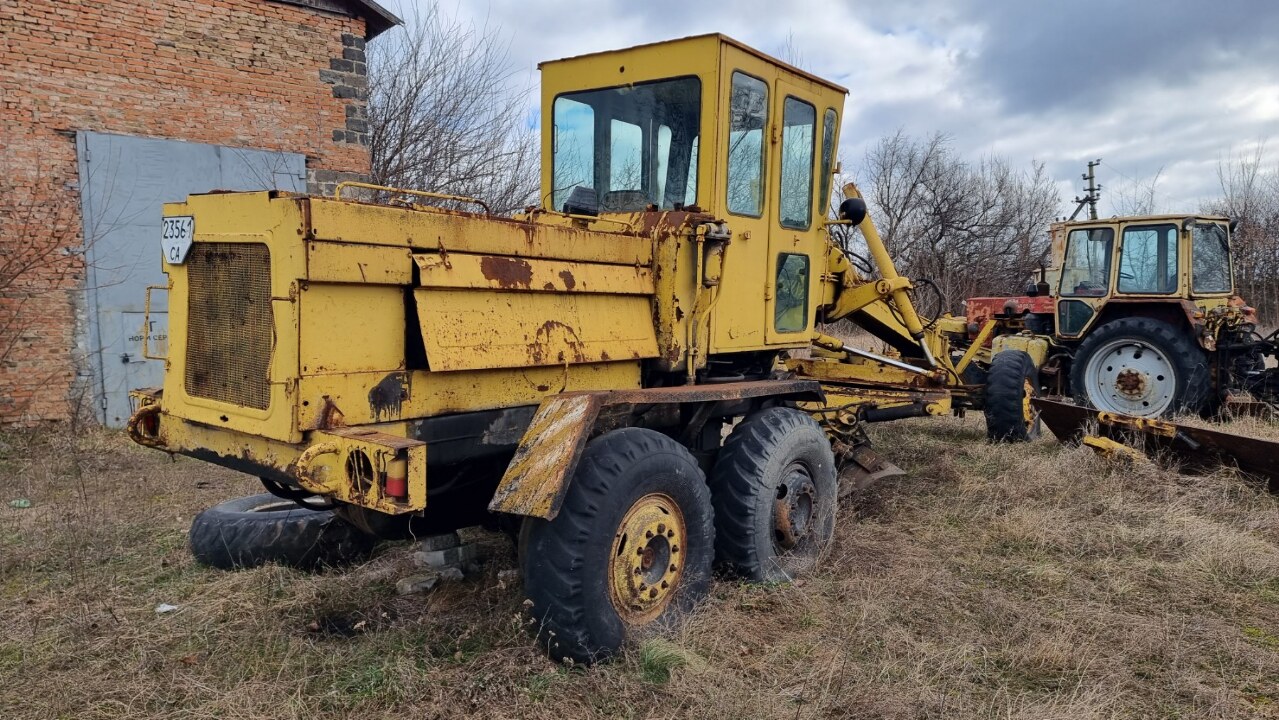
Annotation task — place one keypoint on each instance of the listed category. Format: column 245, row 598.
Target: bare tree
column 1250, row 194
column 1136, row 197
column 447, row 113
column 41, row 264
column 970, row 228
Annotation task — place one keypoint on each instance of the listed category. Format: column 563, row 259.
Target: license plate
column 175, row 239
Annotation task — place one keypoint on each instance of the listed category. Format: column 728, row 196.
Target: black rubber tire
column 1192, row 387
column 260, row 529
column 753, row 469
column 566, row 560
column 1010, row 372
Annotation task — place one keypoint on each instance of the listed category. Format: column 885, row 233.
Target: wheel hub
column 1130, row 377
column 1131, row 383
column 646, row 562
column 795, row 511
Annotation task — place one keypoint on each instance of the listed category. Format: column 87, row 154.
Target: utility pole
column 1093, row 195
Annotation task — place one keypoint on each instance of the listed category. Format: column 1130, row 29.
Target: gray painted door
column 124, row 180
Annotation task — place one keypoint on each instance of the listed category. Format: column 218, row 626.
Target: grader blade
column 1196, row 448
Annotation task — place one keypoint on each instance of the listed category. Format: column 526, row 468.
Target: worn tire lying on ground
column 260, row 529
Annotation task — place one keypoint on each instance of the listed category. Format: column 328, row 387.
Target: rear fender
column 538, row 477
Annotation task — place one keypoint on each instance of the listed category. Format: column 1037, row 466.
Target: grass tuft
column 659, row 658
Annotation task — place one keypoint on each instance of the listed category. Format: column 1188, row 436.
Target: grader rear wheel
column 775, row 495
column 630, row 549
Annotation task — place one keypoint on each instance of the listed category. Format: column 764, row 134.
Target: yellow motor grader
column 607, row 375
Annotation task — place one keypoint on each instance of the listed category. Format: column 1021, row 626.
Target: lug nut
column 674, row 567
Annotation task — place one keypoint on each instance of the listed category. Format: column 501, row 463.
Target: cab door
column 793, row 228
column 747, row 200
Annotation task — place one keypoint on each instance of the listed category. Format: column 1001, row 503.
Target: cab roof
column 1174, row 217
column 723, row 39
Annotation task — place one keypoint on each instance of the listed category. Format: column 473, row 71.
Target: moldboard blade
column 1197, row 448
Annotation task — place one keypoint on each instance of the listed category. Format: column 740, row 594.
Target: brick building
column 109, row 108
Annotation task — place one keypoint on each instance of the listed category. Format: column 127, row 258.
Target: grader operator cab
column 606, row 375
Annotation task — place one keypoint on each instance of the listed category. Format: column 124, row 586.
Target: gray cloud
column 1149, row 85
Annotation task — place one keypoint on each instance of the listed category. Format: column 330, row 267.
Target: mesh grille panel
column 229, row 332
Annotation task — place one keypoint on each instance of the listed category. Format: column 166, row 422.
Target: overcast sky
column 1146, row 85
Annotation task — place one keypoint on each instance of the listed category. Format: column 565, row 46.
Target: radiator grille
column 229, row 328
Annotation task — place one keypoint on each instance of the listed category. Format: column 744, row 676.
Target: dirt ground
column 1031, row 581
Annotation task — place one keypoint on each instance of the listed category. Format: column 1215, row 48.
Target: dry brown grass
column 1013, row 582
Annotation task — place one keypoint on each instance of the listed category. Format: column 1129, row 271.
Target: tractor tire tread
column 1189, row 359
column 1005, row 392
column 232, row 535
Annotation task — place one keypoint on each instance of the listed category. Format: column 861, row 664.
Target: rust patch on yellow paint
column 569, row 281
column 507, row 272
column 544, row 338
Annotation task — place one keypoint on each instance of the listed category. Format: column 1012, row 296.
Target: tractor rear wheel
column 631, row 548
column 1011, row 382
column 775, row 495
column 1142, row 367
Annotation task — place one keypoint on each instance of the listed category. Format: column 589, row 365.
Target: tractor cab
column 1138, row 261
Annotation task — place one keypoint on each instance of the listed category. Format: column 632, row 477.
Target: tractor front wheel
column 631, row 547
column 1141, row 367
column 1011, row 383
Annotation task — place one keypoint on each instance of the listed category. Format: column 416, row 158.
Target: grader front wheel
column 1011, row 383
column 630, row 549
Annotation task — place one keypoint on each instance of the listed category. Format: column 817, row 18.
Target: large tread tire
column 1012, row 376
column 1192, row 387
column 567, row 561
column 260, row 529
column 764, row 456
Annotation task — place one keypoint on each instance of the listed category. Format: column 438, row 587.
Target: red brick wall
column 249, row 73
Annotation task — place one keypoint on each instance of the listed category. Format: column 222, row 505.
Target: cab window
column 799, row 120
column 1148, row 260
column 748, row 117
column 790, row 310
column 828, row 155
column 1210, row 259
column 634, row 146
column 1085, row 271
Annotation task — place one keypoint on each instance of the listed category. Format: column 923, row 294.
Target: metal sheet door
column 124, row 181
